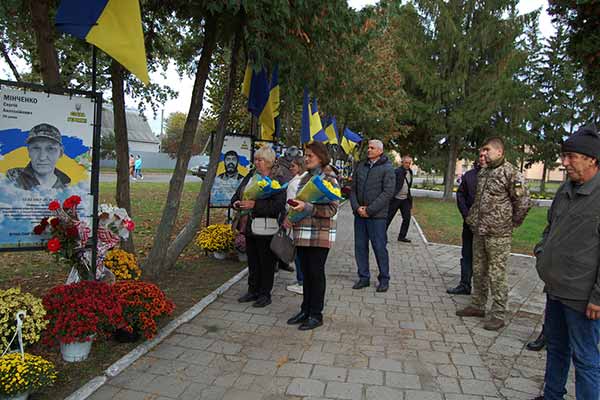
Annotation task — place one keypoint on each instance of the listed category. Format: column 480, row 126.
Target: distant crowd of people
column 493, row 200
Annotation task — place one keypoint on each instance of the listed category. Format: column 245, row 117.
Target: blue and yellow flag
column 115, row 26
column 266, row 133
column 317, row 133
column 263, row 99
column 349, row 142
column 331, row 131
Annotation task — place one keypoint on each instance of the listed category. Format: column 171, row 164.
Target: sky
column 184, row 85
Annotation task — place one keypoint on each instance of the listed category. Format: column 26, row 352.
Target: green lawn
column 442, row 223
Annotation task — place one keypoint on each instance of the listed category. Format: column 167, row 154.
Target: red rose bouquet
column 143, row 304
column 69, row 235
column 78, row 311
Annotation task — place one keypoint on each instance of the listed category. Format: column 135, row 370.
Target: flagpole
column 94, row 67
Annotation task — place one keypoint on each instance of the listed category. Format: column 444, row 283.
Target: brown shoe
column 470, row 311
column 493, row 324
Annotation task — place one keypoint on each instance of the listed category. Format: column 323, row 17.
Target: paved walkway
column 406, row 344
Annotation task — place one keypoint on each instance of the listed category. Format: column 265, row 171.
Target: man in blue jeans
column 568, row 261
column 373, row 184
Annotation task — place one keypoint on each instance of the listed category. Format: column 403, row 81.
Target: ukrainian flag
column 261, row 99
column 349, row 141
column 266, row 133
column 115, row 26
column 331, row 131
column 317, row 133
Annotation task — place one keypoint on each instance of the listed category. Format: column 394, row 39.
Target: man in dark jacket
column 402, row 198
column 465, row 197
column 568, row 261
column 373, row 184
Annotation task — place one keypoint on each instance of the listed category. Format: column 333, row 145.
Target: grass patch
column 193, row 277
column 442, row 223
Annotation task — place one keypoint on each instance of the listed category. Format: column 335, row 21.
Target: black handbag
column 282, row 245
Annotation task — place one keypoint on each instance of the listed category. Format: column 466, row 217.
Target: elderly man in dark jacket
column 568, row 261
column 373, row 186
column 465, row 197
column 402, row 199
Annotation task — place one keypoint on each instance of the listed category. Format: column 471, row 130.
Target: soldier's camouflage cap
column 44, row 131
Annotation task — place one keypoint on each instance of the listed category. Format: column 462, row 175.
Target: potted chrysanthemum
column 217, row 239
column 122, row 264
column 23, row 374
column 12, row 301
column 79, row 313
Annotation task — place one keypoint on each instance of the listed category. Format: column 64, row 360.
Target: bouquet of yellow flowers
column 12, row 301
column 261, row 187
column 317, row 191
column 122, row 264
column 216, row 238
column 24, row 373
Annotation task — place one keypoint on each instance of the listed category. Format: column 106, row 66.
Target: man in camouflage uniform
column 501, row 204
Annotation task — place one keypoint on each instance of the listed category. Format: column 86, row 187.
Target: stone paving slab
column 406, row 344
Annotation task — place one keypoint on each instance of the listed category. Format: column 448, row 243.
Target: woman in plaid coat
column 314, row 235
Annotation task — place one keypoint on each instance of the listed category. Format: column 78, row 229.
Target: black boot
column 538, row 344
column 460, row 289
column 310, row 323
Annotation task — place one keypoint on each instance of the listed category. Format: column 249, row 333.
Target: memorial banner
column 45, row 154
column 234, row 165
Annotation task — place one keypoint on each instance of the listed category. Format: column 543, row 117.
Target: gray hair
column 267, row 154
column 377, row 143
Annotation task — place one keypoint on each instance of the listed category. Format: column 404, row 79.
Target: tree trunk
column 40, row 21
column 522, row 166
column 543, row 182
column 187, row 234
column 450, row 168
column 121, row 146
column 157, row 257
column 7, row 59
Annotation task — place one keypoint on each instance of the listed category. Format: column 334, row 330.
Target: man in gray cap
column 44, row 145
column 568, row 261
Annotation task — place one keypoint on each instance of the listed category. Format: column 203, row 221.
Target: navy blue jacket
column 465, row 195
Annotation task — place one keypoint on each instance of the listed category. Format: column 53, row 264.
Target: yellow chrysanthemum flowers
column 216, row 237
column 122, row 264
column 18, row 375
column 13, row 300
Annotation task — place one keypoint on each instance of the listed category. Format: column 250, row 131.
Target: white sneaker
column 296, row 288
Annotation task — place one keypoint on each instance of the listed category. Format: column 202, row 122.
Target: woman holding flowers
column 261, row 214
column 314, row 233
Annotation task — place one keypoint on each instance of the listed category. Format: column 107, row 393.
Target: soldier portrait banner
column 234, row 165
column 46, row 142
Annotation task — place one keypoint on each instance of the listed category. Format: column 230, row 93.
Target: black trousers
column 312, row 262
column 404, row 206
column 261, row 265
column 466, row 261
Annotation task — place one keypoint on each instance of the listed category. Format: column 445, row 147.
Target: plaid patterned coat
column 318, row 229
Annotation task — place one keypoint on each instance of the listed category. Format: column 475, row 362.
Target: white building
column 141, row 138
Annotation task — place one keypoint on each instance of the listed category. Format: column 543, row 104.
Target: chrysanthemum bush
column 143, row 304
column 78, row 311
column 13, row 300
column 19, row 376
column 216, row 237
column 122, row 264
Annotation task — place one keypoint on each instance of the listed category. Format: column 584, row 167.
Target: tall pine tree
column 459, row 59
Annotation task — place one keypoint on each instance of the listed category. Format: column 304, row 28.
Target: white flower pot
column 77, row 351
column 242, row 257
column 219, row 256
column 19, row 396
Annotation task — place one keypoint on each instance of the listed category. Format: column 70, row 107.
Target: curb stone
column 115, row 369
